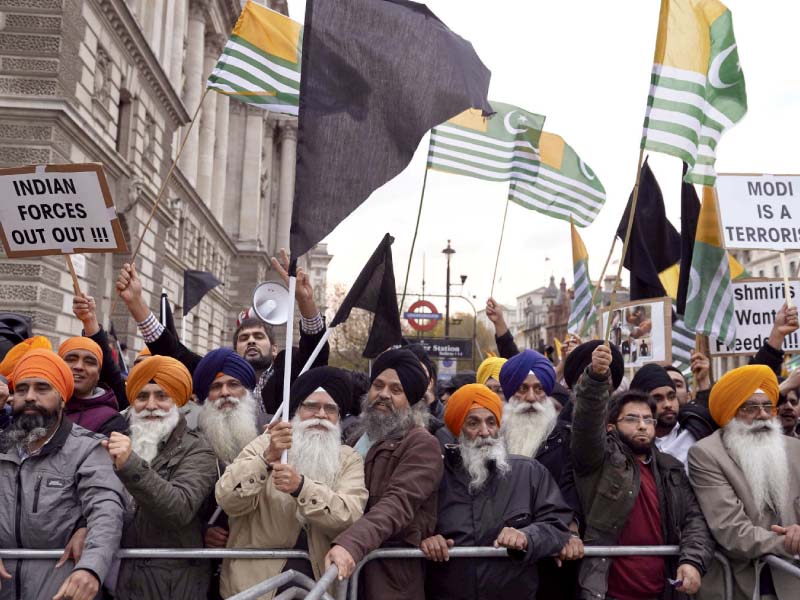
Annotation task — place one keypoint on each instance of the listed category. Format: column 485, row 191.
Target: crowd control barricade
column 784, row 565
column 490, row 552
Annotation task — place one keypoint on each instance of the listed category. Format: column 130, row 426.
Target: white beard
column 477, row 454
column 147, row 435
column 314, row 452
column 229, row 430
column 760, row 452
column 526, row 425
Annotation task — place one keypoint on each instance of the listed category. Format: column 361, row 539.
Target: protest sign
column 756, row 302
column 642, row 330
column 759, row 211
column 57, row 209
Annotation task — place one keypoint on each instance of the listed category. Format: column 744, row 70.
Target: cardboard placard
column 756, row 302
column 642, row 330
column 57, row 209
column 759, row 212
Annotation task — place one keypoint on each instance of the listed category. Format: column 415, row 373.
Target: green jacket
column 165, row 513
column 607, row 480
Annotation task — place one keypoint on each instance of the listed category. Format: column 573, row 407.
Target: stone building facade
column 117, row 82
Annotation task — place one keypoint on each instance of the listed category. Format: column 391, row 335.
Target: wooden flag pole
column 499, row 246
column 634, row 200
column 599, row 284
column 701, row 346
column 786, row 288
column 76, row 286
column 414, row 239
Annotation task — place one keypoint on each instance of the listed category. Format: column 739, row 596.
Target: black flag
column 196, row 284
column 654, row 245
column 377, row 75
column 374, row 290
column 690, row 213
column 165, row 313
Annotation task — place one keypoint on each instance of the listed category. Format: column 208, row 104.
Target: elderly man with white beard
column 300, row 505
column 168, row 472
column 747, row 479
column 487, row 497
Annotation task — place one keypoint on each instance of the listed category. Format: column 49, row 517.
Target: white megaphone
column 271, row 302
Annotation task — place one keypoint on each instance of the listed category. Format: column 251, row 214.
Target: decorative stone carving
column 16, row 21
column 17, row 86
column 30, row 65
column 149, row 135
column 102, row 77
column 27, row 44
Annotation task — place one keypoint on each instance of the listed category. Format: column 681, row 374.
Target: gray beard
column 315, row 453
column 478, row 455
column 526, row 425
column 760, row 452
column 229, row 431
column 26, row 430
column 380, row 426
column 147, row 435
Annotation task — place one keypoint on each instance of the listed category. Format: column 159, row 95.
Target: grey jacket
column 42, row 499
column 167, row 497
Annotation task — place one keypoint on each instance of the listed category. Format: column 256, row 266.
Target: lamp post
column 447, row 251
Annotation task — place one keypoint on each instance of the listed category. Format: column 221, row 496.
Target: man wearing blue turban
column 528, row 368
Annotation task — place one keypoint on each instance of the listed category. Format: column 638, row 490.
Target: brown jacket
column 262, row 517
column 403, row 477
column 733, row 518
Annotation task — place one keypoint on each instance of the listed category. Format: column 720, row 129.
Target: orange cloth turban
column 18, row 351
column 735, row 388
column 45, row 364
column 81, row 343
column 144, row 352
column 490, row 368
column 167, row 372
column 467, row 397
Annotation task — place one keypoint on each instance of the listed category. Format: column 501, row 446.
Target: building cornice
column 127, row 29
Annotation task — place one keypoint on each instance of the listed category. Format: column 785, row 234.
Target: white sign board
column 759, row 212
column 57, row 209
column 756, row 302
column 642, row 330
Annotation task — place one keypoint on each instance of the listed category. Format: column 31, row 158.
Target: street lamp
column 447, row 251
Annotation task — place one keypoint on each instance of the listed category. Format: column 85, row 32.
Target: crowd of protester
column 543, row 460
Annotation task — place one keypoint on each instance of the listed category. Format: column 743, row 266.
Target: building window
column 792, row 268
column 776, row 271
column 761, row 272
column 125, row 108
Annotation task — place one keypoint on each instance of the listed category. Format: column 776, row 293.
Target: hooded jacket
column 99, row 413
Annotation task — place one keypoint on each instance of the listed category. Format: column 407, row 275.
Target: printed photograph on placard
column 641, row 330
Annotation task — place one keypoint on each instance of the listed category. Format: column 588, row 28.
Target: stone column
column 155, row 24
column 208, row 122
column 193, row 88
column 167, row 35
column 176, row 53
column 219, row 180
column 288, row 141
column 249, row 210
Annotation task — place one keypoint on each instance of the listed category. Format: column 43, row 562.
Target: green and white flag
column 682, row 346
column 260, row 63
column 709, row 300
column 582, row 314
column 697, row 87
column 544, row 173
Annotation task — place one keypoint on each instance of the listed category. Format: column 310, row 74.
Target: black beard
column 27, row 429
column 260, row 363
column 637, row 448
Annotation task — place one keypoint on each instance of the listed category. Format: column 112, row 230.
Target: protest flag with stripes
column 709, row 301
column 583, row 314
column 544, row 172
column 697, row 88
column 683, row 342
column 260, row 63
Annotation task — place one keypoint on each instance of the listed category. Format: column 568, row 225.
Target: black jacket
column 527, row 499
column 556, row 456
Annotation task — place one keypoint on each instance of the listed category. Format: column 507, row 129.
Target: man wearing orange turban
column 62, row 475
column 747, row 476
column 482, row 486
column 12, row 357
column 170, row 471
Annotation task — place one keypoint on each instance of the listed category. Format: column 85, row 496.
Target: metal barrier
column 490, row 552
column 128, row 553
column 303, row 585
column 784, row 565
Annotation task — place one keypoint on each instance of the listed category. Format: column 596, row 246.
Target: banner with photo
column 642, row 330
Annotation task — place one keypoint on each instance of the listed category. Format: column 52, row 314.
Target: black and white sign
column 759, row 211
column 756, row 302
column 57, row 209
column 447, row 347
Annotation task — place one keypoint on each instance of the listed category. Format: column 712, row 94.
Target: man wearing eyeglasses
column 300, row 505
column 747, row 479
column 632, row 494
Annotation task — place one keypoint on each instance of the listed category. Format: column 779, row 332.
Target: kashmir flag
column 709, row 301
column 697, row 88
column 583, row 314
column 260, row 64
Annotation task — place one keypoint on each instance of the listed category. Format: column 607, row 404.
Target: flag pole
column 323, row 340
column 287, row 353
column 76, row 286
column 786, row 289
column 599, row 284
column 625, row 244
column 499, row 246
column 416, row 230
column 701, row 346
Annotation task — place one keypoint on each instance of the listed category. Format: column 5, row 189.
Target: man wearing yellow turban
column 170, row 471
column 481, row 488
column 489, row 374
column 747, row 479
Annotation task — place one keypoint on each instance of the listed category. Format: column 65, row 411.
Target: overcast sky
column 587, row 68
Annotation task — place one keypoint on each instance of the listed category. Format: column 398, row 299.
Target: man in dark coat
column 403, row 467
column 632, row 494
column 487, row 498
